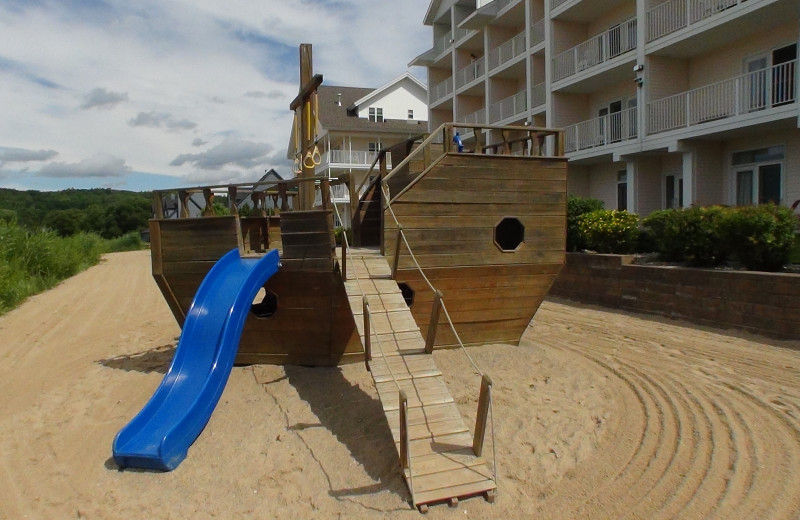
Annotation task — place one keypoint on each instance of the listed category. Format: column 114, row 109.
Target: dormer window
column 376, row 115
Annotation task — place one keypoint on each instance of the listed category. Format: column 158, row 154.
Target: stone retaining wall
column 762, row 303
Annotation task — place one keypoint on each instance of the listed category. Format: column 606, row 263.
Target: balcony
column 537, row 33
column 475, row 118
column 674, row 15
column 538, row 95
column 441, row 90
column 686, row 28
column 616, row 41
column 601, row 131
column 471, row 72
column 508, row 107
column 440, row 44
column 744, row 97
column 351, row 158
column 507, row 51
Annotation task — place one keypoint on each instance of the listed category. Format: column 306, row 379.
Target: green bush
column 339, row 231
column 692, row 235
column 760, row 237
column 130, row 242
column 31, row 262
column 577, row 206
column 610, row 231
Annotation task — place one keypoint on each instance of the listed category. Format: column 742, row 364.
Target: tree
column 65, row 222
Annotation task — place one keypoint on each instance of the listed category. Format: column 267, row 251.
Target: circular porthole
column 509, row 234
column 267, row 306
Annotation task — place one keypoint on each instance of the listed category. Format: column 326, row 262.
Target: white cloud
column 245, row 154
column 102, row 98
column 98, row 166
column 162, row 65
column 22, row 155
column 160, row 119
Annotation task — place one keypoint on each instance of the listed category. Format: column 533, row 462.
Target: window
column 622, row 190
column 374, row 147
column 410, row 114
column 376, row 114
column 673, row 192
column 758, row 175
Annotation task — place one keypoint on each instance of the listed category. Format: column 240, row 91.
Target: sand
column 598, row 414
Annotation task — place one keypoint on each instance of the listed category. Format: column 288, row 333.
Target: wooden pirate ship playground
column 449, row 249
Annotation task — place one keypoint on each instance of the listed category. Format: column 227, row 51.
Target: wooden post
column 506, row 145
column 325, row 193
column 484, row 400
column 367, row 340
column 304, row 106
column 404, row 455
column 344, row 256
column 355, row 219
column 559, row 148
column 158, row 205
column 284, row 196
column 183, row 195
column 232, row 200
column 432, row 326
column 208, row 195
column 396, row 260
column 478, row 140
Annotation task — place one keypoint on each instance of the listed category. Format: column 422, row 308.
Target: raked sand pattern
column 598, row 414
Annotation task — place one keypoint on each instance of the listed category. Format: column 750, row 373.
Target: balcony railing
column 508, row 107
column 751, row 92
column 443, row 42
column 603, row 47
column 556, row 3
column 471, row 72
column 538, row 95
column 507, row 51
column 442, row 90
column 674, row 15
column 537, row 33
column 352, row 157
column 601, row 131
column 475, row 118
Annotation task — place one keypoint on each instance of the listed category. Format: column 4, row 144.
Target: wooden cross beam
column 303, row 108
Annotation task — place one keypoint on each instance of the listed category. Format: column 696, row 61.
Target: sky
column 156, row 94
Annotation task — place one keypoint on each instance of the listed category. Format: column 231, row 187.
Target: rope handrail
column 463, row 348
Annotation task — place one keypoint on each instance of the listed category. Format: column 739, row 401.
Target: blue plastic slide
column 160, row 435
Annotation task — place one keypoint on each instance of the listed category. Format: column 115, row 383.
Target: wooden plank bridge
column 440, row 458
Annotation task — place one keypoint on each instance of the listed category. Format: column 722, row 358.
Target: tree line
column 109, row 213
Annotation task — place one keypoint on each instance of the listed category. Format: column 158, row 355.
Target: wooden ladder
column 439, row 456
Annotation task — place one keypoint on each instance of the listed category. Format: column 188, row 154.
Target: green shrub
column 8, row 216
column 339, row 231
column 130, row 242
column 692, row 235
column 577, row 206
column 760, row 237
column 794, row 256
column 610, row 231
column 31, row 262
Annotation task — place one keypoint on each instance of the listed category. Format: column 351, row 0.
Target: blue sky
column 163, row 93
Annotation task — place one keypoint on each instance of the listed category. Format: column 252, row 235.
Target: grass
column 34, row 261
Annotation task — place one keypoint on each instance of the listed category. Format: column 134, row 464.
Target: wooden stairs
column 435, row 447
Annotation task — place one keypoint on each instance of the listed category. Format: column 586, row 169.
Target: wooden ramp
column 442, row 465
